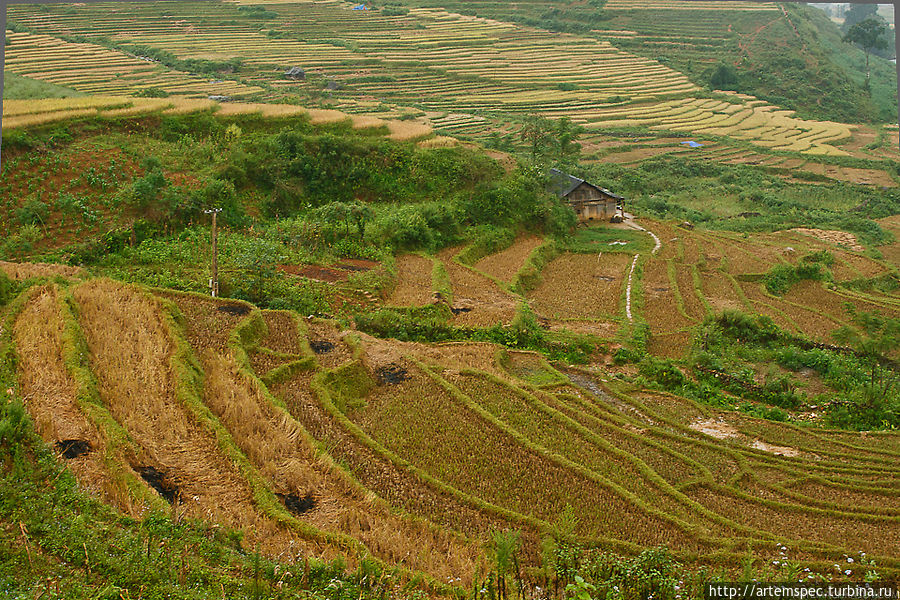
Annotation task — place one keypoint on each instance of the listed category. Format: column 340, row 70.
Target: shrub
column 32, row 212
column 663, row 372
column 8, row 288
column 780, row 278
column 152, row 92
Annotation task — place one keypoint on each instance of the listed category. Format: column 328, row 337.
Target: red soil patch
column 314, row 272
column 341, row 271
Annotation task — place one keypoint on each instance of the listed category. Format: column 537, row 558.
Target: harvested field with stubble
column 673, row 345
column 659, row 304
column 505, row 264
column 454, row 434
column 579, row 286
column 279, row 448
column 413, row 281
column 51, row 397
column 22, row 271
column 497, row 468
column 720, row 293
column 282, row 333
column 478, row 301
column 131, row 350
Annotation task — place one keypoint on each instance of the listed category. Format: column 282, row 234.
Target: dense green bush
column 8, row 288
column 779, row 279
column 32, row 212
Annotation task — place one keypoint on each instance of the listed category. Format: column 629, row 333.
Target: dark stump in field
column 392, row 374
column 321, row 346
column 73, row 448
column 297, row 504
column 461, row 309
column 160, row 482
column 233, row 309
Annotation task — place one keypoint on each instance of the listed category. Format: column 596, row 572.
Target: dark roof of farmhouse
column 562, row 184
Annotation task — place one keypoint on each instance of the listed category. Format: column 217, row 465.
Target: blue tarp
column 360, row 7
column 692, row 144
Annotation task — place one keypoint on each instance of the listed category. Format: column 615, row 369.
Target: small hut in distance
column 589, row 201
column 295, row 73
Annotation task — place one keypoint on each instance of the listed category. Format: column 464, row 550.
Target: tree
column 536, row 132
column 724, row 78
column 858, row 12
column 555, row 138
column 360, row 214
column 868, row 35
column 566, row 133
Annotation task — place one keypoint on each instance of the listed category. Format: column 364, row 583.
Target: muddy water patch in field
column 587, row 383
column 714, row 428
column 779, row 450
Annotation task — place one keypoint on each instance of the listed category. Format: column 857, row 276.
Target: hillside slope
column 309, row 439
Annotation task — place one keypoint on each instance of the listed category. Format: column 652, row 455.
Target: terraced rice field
column 18, row 114
column 582, row 286
column 96, row 70
column 696, row 274
column 488, row 450
column 479, row 301
column 413, row 281
column 465, row 70
column 504, row 265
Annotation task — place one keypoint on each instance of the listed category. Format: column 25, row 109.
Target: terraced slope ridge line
column 291, row 407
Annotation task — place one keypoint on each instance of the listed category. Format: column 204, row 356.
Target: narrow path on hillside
column 628, row 289
column 657, row 244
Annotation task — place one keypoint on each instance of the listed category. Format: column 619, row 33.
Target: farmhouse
column 587, row 200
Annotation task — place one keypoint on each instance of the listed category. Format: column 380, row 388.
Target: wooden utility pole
column 214, row 271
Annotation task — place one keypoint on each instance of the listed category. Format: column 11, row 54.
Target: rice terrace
column 550, row 300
